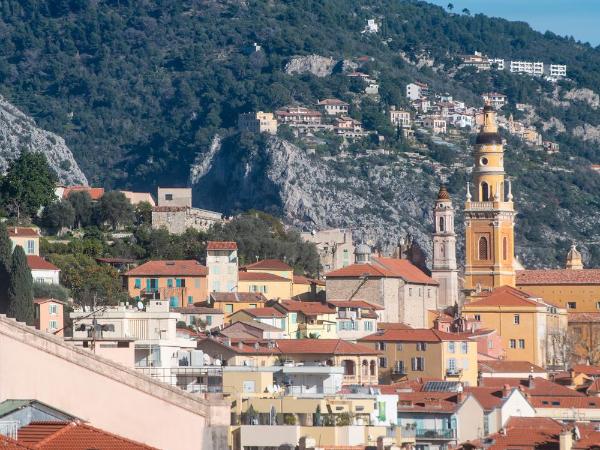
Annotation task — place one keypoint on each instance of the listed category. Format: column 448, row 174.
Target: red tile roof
column 541, row 401
column 385, row 267
column 95, row 193
column 221, row 245
column 268, row 264
column 189, row 267
column 7, row 443
column 393, row 326
column 38, row 263
column 300, row 279
column 23, row 232
column 413, row 335
column 323, row 346
column 527, row 433
column 41, row 301
column 584, row 317
column 504, row 366
column 264, row 312
column 593, row 371
column 439, row 402
column 237, row 297
column 73, row 436
column 260, row 276
column 197, row 310
column 306, row 308
column 541, row 386
column 508, row 297
column 557, row 276
column 488, row 398
column 362, row 304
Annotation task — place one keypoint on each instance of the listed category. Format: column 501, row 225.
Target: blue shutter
column 173, row 302
column 169, row 283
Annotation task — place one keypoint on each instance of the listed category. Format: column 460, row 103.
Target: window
column 294, row 317
column 428, row 293
column 399, row 346
column 169, row 283
column 380, row 346
column 168, row 196
column 418, row 363
column 572, row 305
column 368, row 325
column 399, row 367
column 229, row 308
column 464, row 347
column 173, row 302
column 597, row 305
column 441, row 226
column 31, row 247
column 521, row 343
column 516, row 319
column 345, row 257
column 421, row 346
column 505, row 248
column 252, row 305
column 190, row 299
column 451, row 347
column 451, row 364
column 53, row 309
column 483, row 248
column 477, row 317
column 208, row 320
column 180, row 282
column 53, row 325
column 409, row 291
column 485, row 192
column 383, row 362
column 138, row 283
column 513, row 343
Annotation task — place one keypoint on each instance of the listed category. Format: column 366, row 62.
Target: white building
column 43, row 271
column 372, row 26
column 498, row 63
column 444, row 267
column 460, row 120
column 333, row 106
column 222, row 263
column 436, row 124
column 258, row 122
column 495, row 99
column 416, row 91
column 399, row 118
column 527, row 67
column 175, row 197
column 556, row 70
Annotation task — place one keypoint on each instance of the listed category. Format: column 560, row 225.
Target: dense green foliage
column 28, row 185
column 5, row 265
column 20, row 289
column 45, row 290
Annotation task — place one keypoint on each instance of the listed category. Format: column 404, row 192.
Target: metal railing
column 432, row 433
column 9, row 428
column 188, row 378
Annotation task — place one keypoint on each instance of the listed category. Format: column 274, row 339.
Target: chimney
column 505, row 391
column 565, row 439
column 530, row 382
column 479, row 378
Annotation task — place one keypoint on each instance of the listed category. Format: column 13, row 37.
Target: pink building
column 49, row 315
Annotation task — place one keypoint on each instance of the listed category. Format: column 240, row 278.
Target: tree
column 28, row 185
column 58, row 216
column 20, row 290
column 5, row 265
column 82, row 205
column 450, row 6
column 466, row 12
column 115, row 209
column 143, row 214
column 45, row 290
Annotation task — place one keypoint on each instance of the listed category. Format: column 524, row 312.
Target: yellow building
column 232, row 302
column 489, row 214
column 309, row 319
column 574, row 288
column 271, row 277
column 307, row 288
column 424, row 353
column 28, row 238
column 531, row 329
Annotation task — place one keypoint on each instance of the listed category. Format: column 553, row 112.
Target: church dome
column 362, row 253
column 443, row 193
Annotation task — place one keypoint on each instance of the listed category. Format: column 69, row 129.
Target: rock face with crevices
column 319, row 66
column 18, row 133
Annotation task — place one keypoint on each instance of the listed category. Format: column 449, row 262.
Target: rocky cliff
column 19, row 132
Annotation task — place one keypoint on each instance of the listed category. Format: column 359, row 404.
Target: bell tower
column 489, row 214
column 444, row 269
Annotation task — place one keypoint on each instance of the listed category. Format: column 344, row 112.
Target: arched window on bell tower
column 485, row 192
column 442, row 224
column 483, row 248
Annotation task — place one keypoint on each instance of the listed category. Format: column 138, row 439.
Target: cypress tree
column 20, row 291
column 5, row 264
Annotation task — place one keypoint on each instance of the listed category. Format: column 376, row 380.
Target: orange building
column 181, row 282
column 49, row 315
column 489, row 214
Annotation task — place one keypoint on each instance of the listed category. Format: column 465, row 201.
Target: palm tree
column 450, row 6
column 466, row 12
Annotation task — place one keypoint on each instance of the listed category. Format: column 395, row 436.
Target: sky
column 577, row 18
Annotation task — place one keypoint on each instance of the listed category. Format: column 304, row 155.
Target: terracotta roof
column 439, row 402
column 541, row 401
column 593, row 371
column 354, row 304
column 237, row 297
column 300, row 279
column 41, row 301
column 7, row 443
column 332, row 101
column 264, row 312
column 197, row 310
column 584, row 317
column 323, row 346
column 306, row 308
column 413, row 335
column 182, row 267
column 268, row 264
column 260, row 276
column 385, row 267
column 558, row 276
column 73, row 436
column 95, row 193
column 541, row 387
column 38, row 263
column 506, row 296
column 22, row 232
column 488, row 398
column 221, row 245
column 527, row 433
column 504, row 366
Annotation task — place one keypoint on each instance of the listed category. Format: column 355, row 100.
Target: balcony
column 453, row 373
column 434, row 434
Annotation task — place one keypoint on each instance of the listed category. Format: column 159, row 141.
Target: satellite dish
column 140, row 306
